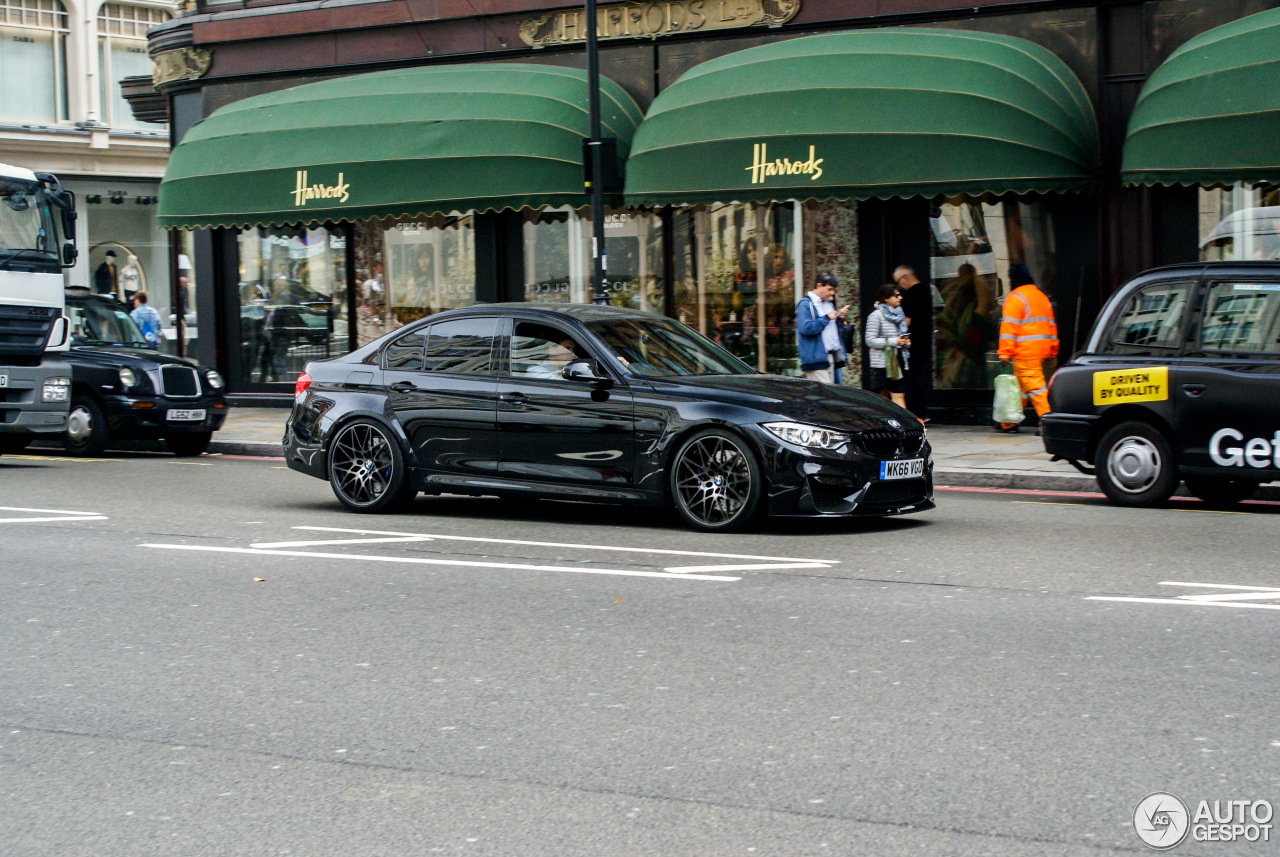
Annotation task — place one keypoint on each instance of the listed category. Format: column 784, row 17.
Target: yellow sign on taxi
column 1121, row 386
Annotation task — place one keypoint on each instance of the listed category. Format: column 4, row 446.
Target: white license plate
column 908, row 468
column 180, row 415
column 4, row 380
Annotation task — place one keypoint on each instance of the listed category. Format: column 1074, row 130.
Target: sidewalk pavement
column 964, row 456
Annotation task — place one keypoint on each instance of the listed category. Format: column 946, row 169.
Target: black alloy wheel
column 86, row 432
column 1217, row 491
column 367, row 469
column 1135, row 465
column 716, row 482
column 188, row 445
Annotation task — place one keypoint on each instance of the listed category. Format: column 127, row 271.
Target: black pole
column 599, row 261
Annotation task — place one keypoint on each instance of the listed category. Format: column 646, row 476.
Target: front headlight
column 57, row 389
column 809, row 436
column 128, row 377
column 214, row 379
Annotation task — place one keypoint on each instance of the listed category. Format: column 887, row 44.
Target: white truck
column 37, row 241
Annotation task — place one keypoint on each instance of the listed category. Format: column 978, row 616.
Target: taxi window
column 1152, row 318
column 1241, row 317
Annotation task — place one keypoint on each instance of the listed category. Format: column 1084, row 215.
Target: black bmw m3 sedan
column 597, row 403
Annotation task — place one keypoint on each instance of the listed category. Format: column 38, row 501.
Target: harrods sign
column 639, row 19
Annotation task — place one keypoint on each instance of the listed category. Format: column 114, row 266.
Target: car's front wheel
column 716, row 482
column 87, row 432
column 1135, row 465
column 1221, row 492
column 367, row 468
column 189, row 445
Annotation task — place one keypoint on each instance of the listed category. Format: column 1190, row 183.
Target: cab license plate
column 908, row 468
column 180, row 415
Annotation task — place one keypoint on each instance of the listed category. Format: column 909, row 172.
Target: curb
column 963, row 478
column 238, row 447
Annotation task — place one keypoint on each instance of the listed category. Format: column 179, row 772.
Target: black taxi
column 1179, row 381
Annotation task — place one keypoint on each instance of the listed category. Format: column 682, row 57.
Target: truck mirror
column 69, row 254
column 69, row 222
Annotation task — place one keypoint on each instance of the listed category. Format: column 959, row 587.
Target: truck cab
column 37, row 241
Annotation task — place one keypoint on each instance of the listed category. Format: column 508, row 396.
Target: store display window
column 1240, row 222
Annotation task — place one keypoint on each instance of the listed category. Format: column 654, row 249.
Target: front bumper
column 147, row 417
column 21, row 409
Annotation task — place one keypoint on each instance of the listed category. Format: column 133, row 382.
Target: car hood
column 134, row 358
column 798, row 399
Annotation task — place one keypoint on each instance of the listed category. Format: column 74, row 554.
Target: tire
column 87, row 433
column 189, row 445
column 1135, row 465
column 715, row 482
column 1217, row 491
column 367, row 469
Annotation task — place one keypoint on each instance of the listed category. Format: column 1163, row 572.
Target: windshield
column 99, row 323
column 27, row 232
column 658, row 348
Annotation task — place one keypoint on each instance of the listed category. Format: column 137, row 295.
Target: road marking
column 1047, row 503
column 1233, row 596
column 447, row 562
column 49, row 515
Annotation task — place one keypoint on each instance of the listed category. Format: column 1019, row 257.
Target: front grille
column 24, row 330
column 912, row 441
column 891, row 495
column 880, row 443
column 180, row 381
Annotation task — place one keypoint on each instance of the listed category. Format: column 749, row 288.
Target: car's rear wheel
column 87, row 432
column 189, row 445
column 367, row 468
column 716, row 482
column 1217, row 491
column 1135, row 465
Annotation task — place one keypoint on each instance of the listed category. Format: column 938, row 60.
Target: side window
column 1241, row 317
column 405, row 353
column 542, row 351
column 1152, row 318
column 464, row 346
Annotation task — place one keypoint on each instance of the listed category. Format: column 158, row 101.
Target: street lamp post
column 595, row 183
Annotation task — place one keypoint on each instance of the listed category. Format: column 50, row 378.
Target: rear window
column 1242, row 318
column 1152, row 317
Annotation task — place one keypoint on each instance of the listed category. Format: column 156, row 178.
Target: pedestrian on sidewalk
column 146, row 318
column 1028, row 337
column 888, row 343
column 818, row 331
column 917, row 305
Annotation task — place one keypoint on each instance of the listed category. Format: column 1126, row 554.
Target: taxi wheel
column 1135, row 465
column 1221, row 492
column 716, row 482
column 188, row 445
column 86, row 432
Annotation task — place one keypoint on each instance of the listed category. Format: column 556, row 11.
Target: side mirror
column 586, row 371
column 69, row 254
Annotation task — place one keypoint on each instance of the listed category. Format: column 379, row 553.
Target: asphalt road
column 210, row 658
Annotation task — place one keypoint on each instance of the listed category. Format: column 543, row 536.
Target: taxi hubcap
column 1134, row 464
column 79, row 425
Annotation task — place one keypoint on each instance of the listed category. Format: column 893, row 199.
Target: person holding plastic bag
column 1028, row 337
column 887, row 341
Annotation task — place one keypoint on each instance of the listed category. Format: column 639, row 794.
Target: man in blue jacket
column 818, row 331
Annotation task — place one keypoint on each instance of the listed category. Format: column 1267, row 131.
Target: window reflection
column 1240, row 223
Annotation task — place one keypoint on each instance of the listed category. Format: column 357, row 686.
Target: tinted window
column 1152, row 318
column 406, row 352
column 657, row 348
column 1241, row 317
column 101, row 323
column 464, row 346
column 542, row 351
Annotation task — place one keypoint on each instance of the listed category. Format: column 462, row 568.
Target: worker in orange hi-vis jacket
column 1028, row 337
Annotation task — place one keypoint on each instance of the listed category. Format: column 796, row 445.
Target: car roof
column 584, row 313
column 82, row 292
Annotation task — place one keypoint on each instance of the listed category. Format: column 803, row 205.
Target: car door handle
column 404, row 387
column 1194, row 390
column 516, row 398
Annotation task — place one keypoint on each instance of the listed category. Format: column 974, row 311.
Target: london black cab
column 1179, row 380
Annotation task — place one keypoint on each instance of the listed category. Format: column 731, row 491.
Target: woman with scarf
column 887, row 341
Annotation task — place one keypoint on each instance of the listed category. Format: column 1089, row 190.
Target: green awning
column 873, row 113
column 1211, row 112
column 400, row 143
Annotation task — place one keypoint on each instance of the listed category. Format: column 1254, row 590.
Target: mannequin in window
column 104, row 278
column 130, row 278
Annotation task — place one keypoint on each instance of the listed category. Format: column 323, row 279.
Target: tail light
column 304, row 381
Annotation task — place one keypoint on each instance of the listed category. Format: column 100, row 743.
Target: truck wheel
column 1217, row 491
column 188, row 445
column 1135, row 465
column 87, row 432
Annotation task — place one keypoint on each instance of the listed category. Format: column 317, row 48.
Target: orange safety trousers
column 1030, row 375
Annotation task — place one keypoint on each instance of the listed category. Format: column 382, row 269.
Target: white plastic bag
column 1007, row 406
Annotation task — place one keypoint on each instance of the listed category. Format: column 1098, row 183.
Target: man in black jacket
column 917, row 305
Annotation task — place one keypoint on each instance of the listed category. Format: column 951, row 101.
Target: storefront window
column 974, row 241
column 732, row 292
column 557, row 257
column 1240, row 223
column 122, row 52
column 33, row 53
column 412, row 269
column 185, row 293
column 293, row 300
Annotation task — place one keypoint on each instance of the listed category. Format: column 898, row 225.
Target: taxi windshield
column 99, row 323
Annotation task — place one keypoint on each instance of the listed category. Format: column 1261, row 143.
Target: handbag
column 892, row 363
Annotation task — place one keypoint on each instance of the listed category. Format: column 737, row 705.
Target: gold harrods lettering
column 650, row 19
column 307, row 192
column 761, row 167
